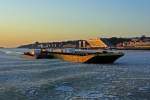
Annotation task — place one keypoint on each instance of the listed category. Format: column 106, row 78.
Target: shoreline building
column 135, row 44
column 95, row 43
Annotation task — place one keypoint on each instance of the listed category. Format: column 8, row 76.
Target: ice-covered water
column 53, row 79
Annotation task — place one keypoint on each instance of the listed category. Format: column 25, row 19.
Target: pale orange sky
column 27, row 21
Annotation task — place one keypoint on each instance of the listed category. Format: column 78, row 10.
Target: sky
column 27, row 21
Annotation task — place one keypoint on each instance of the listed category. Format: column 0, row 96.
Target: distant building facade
column 135, row 43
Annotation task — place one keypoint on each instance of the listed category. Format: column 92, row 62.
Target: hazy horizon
column 27, row 21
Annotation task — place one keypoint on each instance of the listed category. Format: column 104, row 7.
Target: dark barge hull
column 101, row 58
column 104, row 59
column 50, row 56
column 40, row 56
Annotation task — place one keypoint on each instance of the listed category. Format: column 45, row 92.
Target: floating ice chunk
column 32, row 92
column 144, row 89
column 111, row 96
column 8, row 52
column 90, row 95
column 95, row 94
column 64, row 89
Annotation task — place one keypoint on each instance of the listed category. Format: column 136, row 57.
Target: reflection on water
column 29, row 79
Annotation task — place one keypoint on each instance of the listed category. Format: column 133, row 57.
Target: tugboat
column 39, row 54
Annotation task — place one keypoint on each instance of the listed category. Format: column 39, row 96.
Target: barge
column 103, row 57
column 95, row 52
column 94, row 57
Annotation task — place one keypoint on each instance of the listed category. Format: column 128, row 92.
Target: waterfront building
column 95, row 43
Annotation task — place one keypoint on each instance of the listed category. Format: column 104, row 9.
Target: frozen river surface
column 53, row 79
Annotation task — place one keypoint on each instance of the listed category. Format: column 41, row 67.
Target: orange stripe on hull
column 74, row 58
